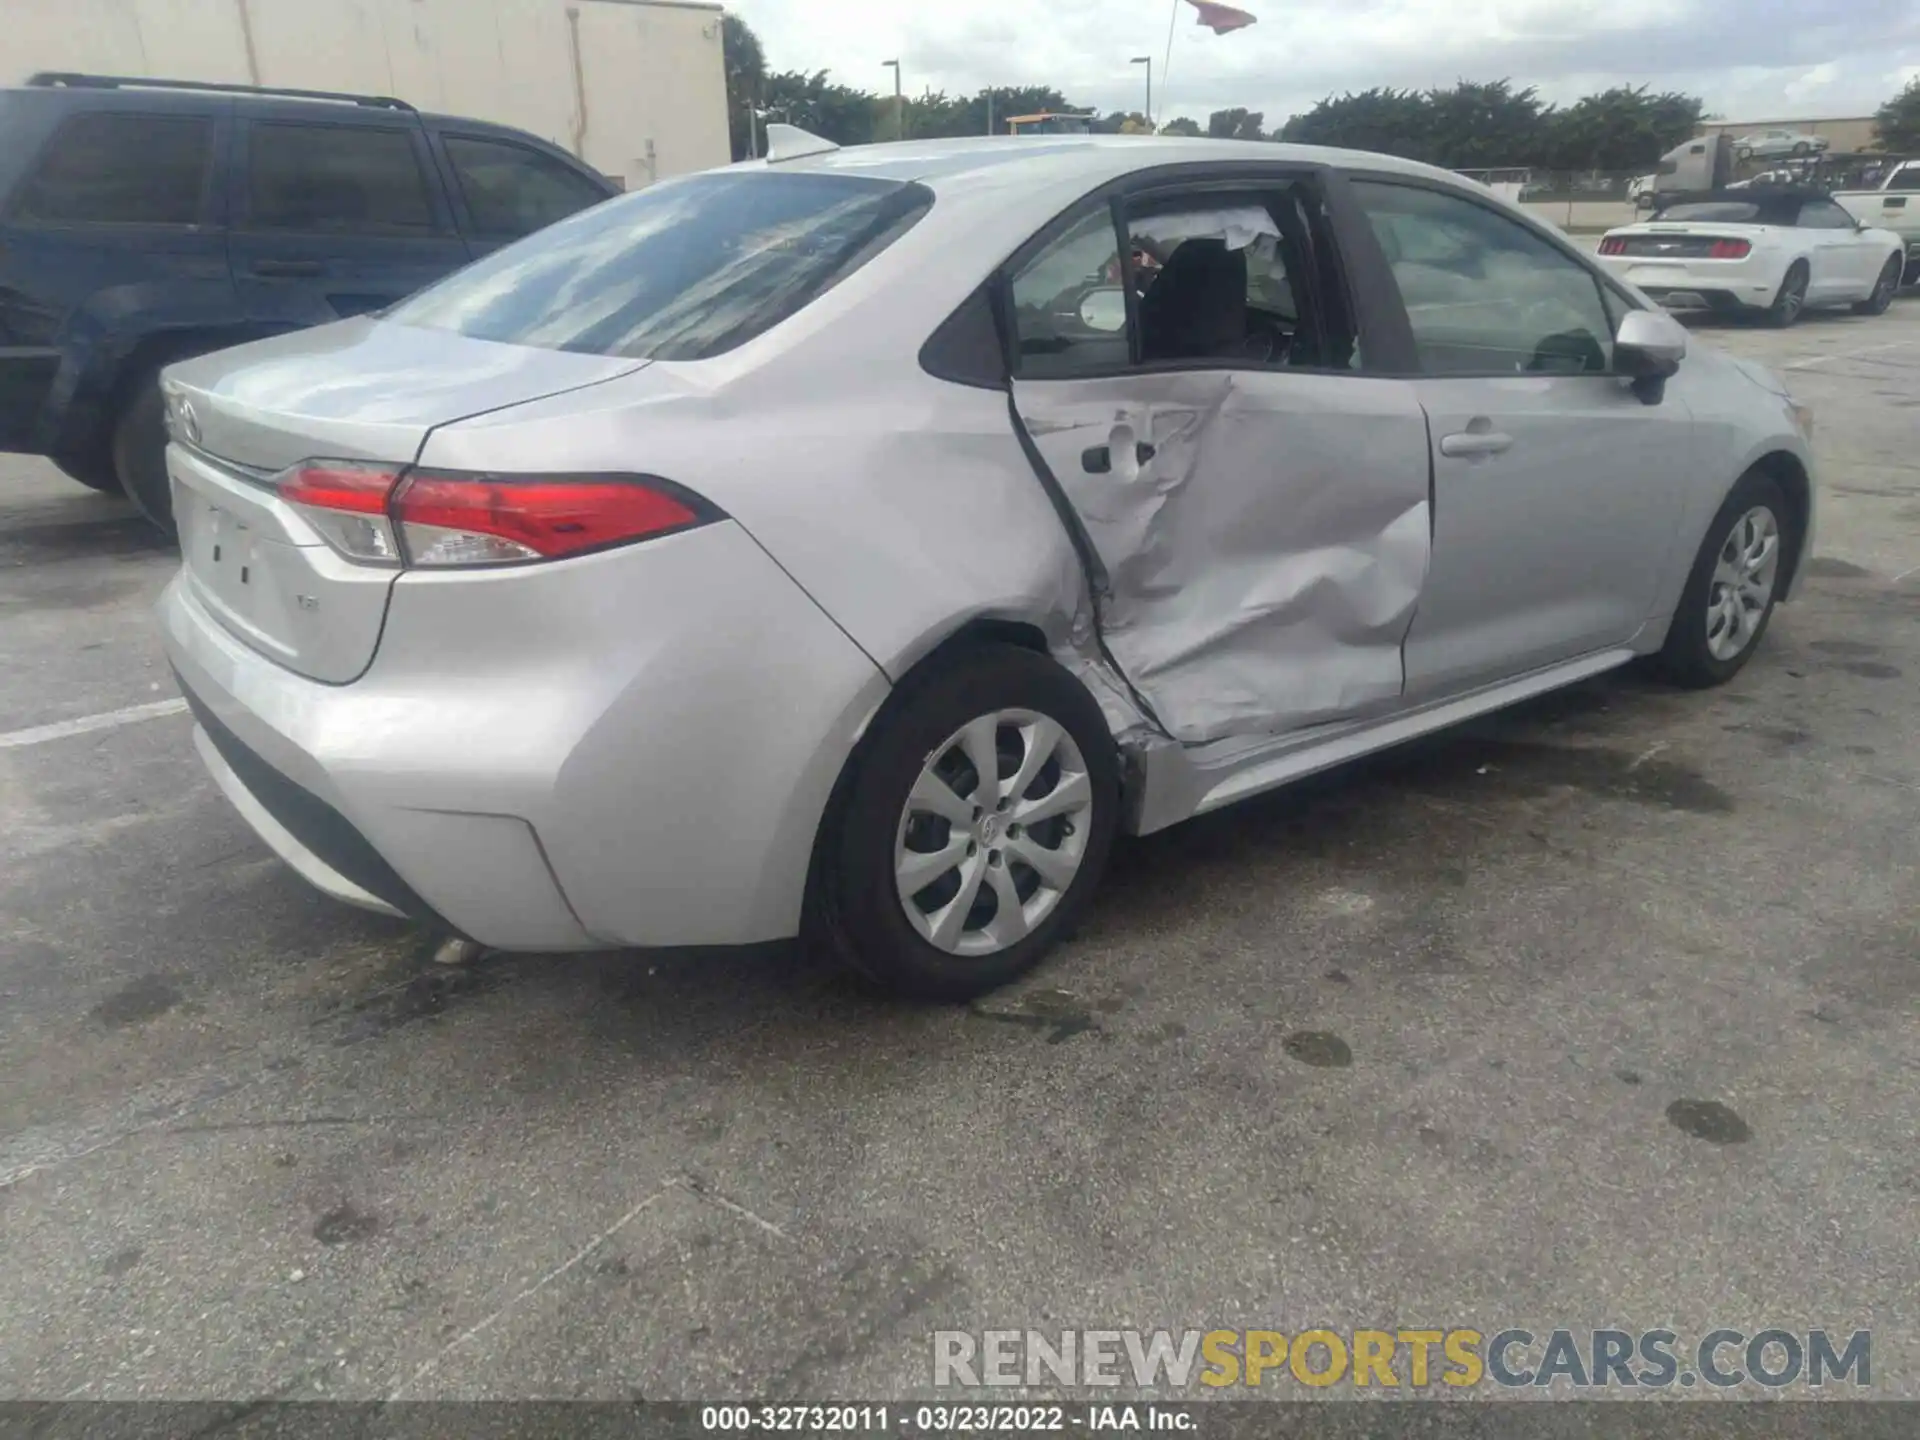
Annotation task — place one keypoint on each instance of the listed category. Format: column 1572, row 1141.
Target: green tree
column 1624, row 128
column 838, row 113
column 1181, row 125
column 1484, row 123
column 1897, row 124
column 746, row 70
column 1488, row 125
column 1390, row 121
column 1238, row 123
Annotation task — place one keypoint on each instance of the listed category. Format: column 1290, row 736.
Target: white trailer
column 635, row 88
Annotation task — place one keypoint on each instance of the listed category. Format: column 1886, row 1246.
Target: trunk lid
column 360, row 390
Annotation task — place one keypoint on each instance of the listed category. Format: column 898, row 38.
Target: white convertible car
column 1773, row 252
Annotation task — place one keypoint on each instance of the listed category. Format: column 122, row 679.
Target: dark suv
column 144, row 221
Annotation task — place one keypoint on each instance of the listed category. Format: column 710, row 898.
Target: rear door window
column 120, row 169
column 513, row 191
column 1069, row 310
column 682, row 270
column 337, row 180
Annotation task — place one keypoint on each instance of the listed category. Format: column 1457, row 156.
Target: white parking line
column 85, row 724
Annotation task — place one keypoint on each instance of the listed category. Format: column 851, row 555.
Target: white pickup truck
column 1894, row 206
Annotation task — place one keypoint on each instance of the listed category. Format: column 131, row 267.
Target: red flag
column 1221, row 18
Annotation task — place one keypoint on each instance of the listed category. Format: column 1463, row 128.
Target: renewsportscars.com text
column 1402, row 1358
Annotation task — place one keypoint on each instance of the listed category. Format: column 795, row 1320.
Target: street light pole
column 1147, row 60
column 899, row 101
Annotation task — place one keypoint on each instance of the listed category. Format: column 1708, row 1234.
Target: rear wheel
column 973, row 830
column 1733, row 587
column 1883, row 290
column 1791, row 299
column 140, row 451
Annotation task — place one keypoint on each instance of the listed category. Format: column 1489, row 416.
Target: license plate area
column 223, row 551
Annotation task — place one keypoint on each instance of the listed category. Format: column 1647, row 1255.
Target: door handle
column 1475, row 442
column 1099, row 459
column 289, row 268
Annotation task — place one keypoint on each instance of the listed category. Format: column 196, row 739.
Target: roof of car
column 1775, row 197
column 1095, row 158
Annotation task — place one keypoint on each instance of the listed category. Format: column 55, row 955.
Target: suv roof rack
column 76, row 81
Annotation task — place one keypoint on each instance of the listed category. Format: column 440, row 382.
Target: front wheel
column 973, row 829
column 1733, row 587
column 1881, row 296
column 1791, row 299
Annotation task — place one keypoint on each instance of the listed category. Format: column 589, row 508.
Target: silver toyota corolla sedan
column 853, row 544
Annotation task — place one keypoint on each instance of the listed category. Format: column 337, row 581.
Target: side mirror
column 1648, row 349
column 1104, row 310
column 1650, row 345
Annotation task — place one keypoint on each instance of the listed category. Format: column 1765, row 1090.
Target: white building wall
column 636, row 88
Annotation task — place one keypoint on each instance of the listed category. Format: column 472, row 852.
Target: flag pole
column 1167, row 64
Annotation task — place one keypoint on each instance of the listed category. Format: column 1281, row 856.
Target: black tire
column 1884, row 288
column 95, row 475
column 140, row 451
column 1791, row 302
column 1687, row 659
column 854, row 905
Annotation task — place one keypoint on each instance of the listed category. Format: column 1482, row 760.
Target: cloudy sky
column 1749, row 59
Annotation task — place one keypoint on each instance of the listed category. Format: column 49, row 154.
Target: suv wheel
column 94, row 474
column 140, row 451
column 973, row 829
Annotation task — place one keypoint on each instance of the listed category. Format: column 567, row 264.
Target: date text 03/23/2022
column 943, row 1419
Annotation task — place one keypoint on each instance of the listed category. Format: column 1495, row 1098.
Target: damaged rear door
column 1258, row 502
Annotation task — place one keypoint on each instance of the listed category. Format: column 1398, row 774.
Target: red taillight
column 1730, row 250
column 388, row 515
column 340, row 485
column 346, row 501
column 1613, row 245
column 459, row 519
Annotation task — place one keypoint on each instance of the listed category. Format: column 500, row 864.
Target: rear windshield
column 1724, row 212
column 683, row 270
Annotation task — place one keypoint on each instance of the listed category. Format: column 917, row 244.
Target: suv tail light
column 1613, row 245
column 439, row 519
column 1730, row 250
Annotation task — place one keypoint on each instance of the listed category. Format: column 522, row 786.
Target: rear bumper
column 631, row 748
column 294, row 847
column 1715, row 302
column 1718, row 285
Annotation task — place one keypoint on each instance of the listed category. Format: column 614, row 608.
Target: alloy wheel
column 993, row 832
column 1744, row 575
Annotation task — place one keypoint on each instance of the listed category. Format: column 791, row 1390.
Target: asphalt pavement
column 1602, row 1012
